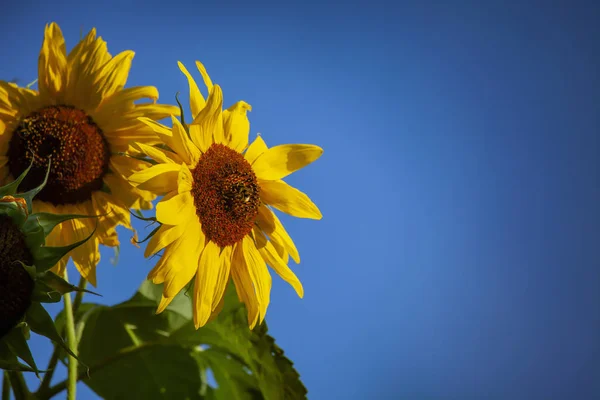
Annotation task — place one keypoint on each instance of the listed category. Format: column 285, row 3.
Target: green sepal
column 30, row 84
column 30, row 269
column 44, row 294
column 138, row 214
column 149, row 235
column 164, row 146
column 14, row 212
column 41, row 323
column 47, row 257
column 49, row 221
column 59, row 285
column 12, row 187
column 15, row 366
column 185, row 126
column 35, row 239
column 17, row 343
column 29, row 195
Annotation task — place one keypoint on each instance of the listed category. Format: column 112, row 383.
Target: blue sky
column 458, row 255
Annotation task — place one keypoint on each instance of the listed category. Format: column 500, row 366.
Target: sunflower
column 216, row 216
column 25, row 279
column 81, row 119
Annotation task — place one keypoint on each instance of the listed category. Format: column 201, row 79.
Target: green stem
column 19, row 387
column 59, row 387
column 56, row 353
column 5, row 386
column 72, row 343
column 79, row 295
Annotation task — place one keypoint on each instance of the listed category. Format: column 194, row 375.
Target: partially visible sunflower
column 25, row 279
column 216, row 214
column 81, row 119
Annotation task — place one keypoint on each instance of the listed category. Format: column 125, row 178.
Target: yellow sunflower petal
column 205, row 77
column 223, row 276
column 157, row 127
column 270, row 224
column 86, row 256
column 200, row 140
column 237, row 125
column 210, row 121
column 52, row 65
column 196, row 99
column 84, row 63
column 185, row 181
column 125, row 165
column 115, row 72
column 160, row 155
column 256, row 148
column 164, row 303
column 259, row 274
column 130, row 196
column 158, row 274
column 204, row 287
column 281, row 252
column 125, row 98
column 288, row 199
column 118, row 107
column 109, row 211
column 165, row 235
column 269, row 254
column 184, row 261
column 243, row 285
column 160, row 178
column 176, row 210
column 182, row 145
column 280, row 161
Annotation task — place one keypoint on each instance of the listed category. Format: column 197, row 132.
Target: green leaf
column 49, row 288
column 225, row 368
column 58, row 284
column 17, row 343
column 9, row 361
column 49, row 221
column 41, row 323
column 47, row 257
column 15, row 366
column 12, row 187
column 127, row 345
column 29, row 195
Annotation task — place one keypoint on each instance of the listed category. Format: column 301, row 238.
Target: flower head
column 216, row 215
column 82, row 120
column 25, row 277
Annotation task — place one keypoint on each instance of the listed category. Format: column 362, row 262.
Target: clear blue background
column 458, row 256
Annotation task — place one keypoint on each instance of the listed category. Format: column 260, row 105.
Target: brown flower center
column 16, row 285
column 226, row 195
column 75, row 145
